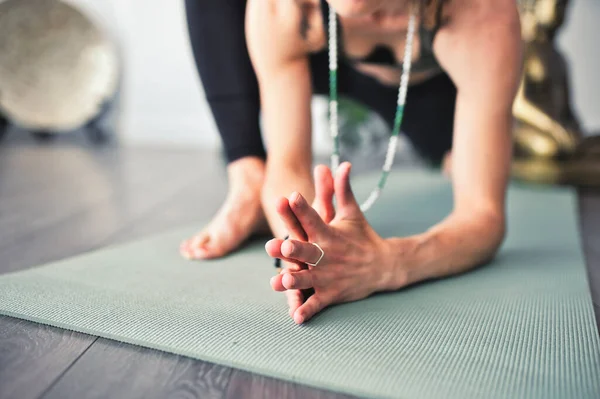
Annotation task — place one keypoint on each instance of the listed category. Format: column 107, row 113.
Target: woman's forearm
column 288, row 135
column 456, row 245
column 279, row 57
column 280, row 181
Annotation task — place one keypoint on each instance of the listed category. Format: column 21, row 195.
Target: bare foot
column 240, row 216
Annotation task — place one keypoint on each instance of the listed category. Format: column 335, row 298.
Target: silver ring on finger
column 320, row 257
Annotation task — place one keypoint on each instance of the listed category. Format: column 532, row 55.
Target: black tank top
column 383, row 55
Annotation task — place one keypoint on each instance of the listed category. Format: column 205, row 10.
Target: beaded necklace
column 333, row 104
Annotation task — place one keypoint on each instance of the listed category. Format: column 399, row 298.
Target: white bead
column 402, row 92
column 391, row 152
column 371, row 200
column 335, row 162
column 333, row 118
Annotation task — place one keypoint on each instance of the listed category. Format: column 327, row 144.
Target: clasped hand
column 356, row 260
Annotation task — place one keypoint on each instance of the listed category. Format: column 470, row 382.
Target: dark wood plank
column 589, row 208
column 33, row 356
column 252, row 386
column 38, row 164
column 40, row 230
column 194, row 205
column 112, row 369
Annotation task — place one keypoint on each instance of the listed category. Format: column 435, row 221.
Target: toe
column 184, row 246
column 199, row 246
column 210, row 250
column 200, row 240
column 186, row 254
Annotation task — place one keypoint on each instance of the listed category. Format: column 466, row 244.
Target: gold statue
column 549, row 144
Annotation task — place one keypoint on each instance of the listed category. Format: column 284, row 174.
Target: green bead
column 382, row 179
column 398, row 120
column 333, row 85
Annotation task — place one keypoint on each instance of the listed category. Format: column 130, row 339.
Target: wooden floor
column 63, row 198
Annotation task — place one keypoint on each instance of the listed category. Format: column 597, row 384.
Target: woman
column 465, row 73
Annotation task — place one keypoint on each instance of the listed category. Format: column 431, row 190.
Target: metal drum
column 58, row 70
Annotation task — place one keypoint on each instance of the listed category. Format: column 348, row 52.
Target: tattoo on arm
column 304, row 24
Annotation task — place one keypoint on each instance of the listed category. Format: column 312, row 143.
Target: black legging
column 216, row 29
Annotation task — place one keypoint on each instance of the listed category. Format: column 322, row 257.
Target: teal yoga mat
column 520, row 327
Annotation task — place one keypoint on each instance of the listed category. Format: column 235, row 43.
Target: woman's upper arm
column 279, row 54
column 480, row 49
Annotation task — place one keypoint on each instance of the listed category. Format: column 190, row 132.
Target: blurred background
column 139, row 152
column 160, row 99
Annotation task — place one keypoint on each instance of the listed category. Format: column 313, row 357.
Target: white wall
column 579, row 42
column 162, row 100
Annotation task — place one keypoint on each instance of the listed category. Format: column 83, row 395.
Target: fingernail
column 294, row 197
column 291, row 281
column 299, row 319
column 299, row 200
column 290, row 247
